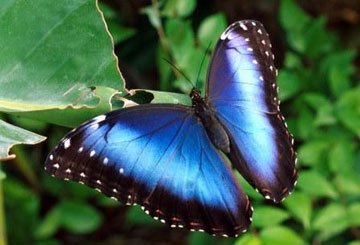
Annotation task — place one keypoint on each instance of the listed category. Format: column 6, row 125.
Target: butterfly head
column 195, row 96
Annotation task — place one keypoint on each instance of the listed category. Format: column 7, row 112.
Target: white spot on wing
column 106, row 160
column 99, row 118
column 68, row 170
column 92, row 153
column 255, row 62
column 121, row 170
column 51, row 157
column 259, row 31
column 94, row 126
column 81, row 149
column 243, row 26
column 56, row 165
column 67, row 143
column 82, row 174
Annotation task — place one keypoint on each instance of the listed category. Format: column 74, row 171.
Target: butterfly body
column 215, row 130
column 167, row 158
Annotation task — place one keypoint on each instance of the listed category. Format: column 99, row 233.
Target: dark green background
column 316, row 46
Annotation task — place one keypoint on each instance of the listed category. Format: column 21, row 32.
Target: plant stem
column 2, row 216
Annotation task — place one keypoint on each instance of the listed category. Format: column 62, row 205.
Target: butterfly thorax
column 214, row 129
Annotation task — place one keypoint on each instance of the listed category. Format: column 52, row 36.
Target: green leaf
column 179, row 8
column 349, row 184
column 292, row 17
column 313, row 152
column 162, row 97
column 318, row 39
column 11, row 135
column 339, row 81
column 316, row 185
column 64, row 49
column 79, row 217
column 248, row 239
column 136, row 216
column 70, row 117
column 2, row 175
column 323, row 107
column 22, row 206
column 49, row 225
column 269, row 216
column 289, row 84
column 181, row 39
column 118, row 32
column 279, row 235
column 348, row 110
column 342, row 156
column 196, row 238
column 331, row 220
column 353, row 243
column 299, row 204
column 210, row 29
column 153, row 14
column 354, row 214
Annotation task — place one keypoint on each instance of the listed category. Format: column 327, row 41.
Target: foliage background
column 70, row 75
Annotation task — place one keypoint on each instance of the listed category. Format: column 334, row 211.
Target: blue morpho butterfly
column 170, row 158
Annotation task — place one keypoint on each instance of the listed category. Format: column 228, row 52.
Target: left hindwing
column 160, row 157
column 242, row 90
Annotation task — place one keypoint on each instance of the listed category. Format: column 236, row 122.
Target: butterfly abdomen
column 214, row 129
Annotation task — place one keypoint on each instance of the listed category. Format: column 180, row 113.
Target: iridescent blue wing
column 242, row 90
column 160, row 157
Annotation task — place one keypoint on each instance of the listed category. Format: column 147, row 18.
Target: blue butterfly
column 170, row 159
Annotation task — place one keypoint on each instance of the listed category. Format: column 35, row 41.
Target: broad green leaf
column 347, row 110
column 330, row 220
column 316, row 185
column 178, row 8
column 313, row 152
column 289, row 84
column 354, row 214
column 70, row 117
column 248, row 239
column 300, row 205
column 265, row 216
column 323, row 107
column 210, row 29
column 11, row 135
column 63, row 51
column 79, row 217
column 279, row 235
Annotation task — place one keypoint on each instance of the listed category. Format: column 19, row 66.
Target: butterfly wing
column 158, row 156
column 242, row 90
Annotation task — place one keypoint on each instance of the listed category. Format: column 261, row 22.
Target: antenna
column 202, row 62
column 178, row 70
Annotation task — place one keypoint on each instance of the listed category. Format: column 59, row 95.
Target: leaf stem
column 2, row 215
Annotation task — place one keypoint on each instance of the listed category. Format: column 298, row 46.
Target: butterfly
column 173, row 160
